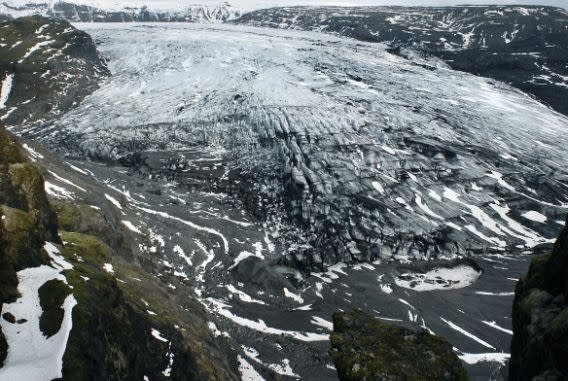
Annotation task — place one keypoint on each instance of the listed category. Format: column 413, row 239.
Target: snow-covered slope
column 374, row 154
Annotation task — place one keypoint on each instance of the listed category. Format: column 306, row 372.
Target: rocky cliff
column 539, row 350
column 364, row 348
column 46, row 68
column 26, row 222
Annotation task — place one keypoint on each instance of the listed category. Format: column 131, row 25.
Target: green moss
column 363, row 348
column 24, row 236
column 10, row 153
column 86, row 247
column 81, row 218
column 52, row 294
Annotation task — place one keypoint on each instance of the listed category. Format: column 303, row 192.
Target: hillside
column 78, row 301
column 46, row 68
column 227, row 189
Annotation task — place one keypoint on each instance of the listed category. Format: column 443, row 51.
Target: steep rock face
column 46, row 68
column 523, row 46
column 83, row 13
column 26, row 221
column 120, row 330
column 364, row 348
column 539, row 349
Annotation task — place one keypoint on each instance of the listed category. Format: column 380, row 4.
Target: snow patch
column 131, row 226
column 475, row 358
column 297, row 298
column 5, row 90
column 108, row 268
column 114, row 201
column 32, row 356
column 439, row 279
column 535, row 216
column 466, row 333
column 57, row 191
column 33, row 154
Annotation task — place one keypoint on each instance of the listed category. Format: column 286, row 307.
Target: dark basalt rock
column 539, row 350
column 256, row 272
column 53, row 66
column 364, row 348
column 51, row 297
column 9, row 317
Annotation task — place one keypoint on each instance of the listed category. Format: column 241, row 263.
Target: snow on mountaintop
column 250, row 5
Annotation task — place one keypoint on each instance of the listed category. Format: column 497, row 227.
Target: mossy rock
column 26, row 220
column 111, row 335
column 88, row 248
column 366, row 349
column 82, row 218
column 10, row 152
column 24, row 237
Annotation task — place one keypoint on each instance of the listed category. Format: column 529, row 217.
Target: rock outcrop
column 364, row 348
column 46, row 68
column 539, row 350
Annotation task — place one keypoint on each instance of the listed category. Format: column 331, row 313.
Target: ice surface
column 347, row 120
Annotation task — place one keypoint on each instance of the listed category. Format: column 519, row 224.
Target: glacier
column 373, row 154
